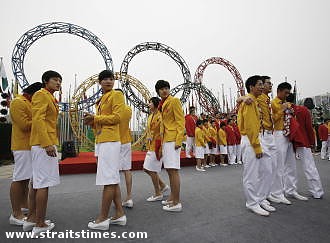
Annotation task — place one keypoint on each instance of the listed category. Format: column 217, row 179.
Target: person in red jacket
column 231, row 142
column 238, row 140
column 190, row 125
column 306, row 136
column 323, row 134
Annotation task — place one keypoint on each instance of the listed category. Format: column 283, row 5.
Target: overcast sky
column 276, row 38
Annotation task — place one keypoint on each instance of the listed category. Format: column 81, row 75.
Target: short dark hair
column 251, row 81
column 283, row 86
column 222, row 124
column 205, row 121
column 309, row 103
column 199, row 122
column 263, row 78
column 229, row 120
column 48, row 75
column 106, row 74
column 155, row 101
column 32, row 88
column 192, row 107
column 291, row 98
column 161, row 84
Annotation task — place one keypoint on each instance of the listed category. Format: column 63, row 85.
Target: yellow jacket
column 278, row 114
column 248, row 120
column 206, row 134
column 21, row 116
column 44, row 119
column 125, row 132
column 199, row 137
column 153, row 130
column 172, row 128
column 222, row 137
column 264, row 104
column 109, row 110
column 213, row 133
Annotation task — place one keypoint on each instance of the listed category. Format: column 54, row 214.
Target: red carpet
column 86, row 162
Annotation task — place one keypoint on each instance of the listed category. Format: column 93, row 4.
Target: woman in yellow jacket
column 107, row 138
column 152, row 164
column 213, row 137
column 44, row 140
column 222, row 141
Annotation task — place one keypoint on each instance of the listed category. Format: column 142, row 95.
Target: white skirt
column 45, row 171
column 215, row 150
column 125, row 156
column 23, row 165
column 171, row 156
column 207, row 149
column 199, row 152
column 223, row 149
column 151, row 163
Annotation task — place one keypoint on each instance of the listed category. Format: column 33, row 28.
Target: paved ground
column 213, row 210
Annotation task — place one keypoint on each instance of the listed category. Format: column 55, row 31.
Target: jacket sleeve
column 251, row 128
column 18, row 113
column 179, row 120
column 309, row 128
column 39, row 110
column 117, row 111
column 277, row 113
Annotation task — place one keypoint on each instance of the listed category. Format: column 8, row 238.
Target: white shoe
column 265, row 201
column 174, row 208
column 165, row 202
column 329, row 159
column 224, row 165
column 104, row 225
column 323, row 158
column 207, row 166
column 297, row 196
column 120, row 221
column 258, row 210
column 28, row 226
column 166, row 188
column 155, row 198
column 128, row 204
column 15, row 221
column 267, row 207
column 274, row 199
column 37, row 230
column 239, row 162
column 200, row 169
column 284, row 200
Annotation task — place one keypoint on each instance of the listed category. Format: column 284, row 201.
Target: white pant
column 267, row 165
column 190, row 145
column 231, row 154
column 311, row 173
column 325, row 150
column 125, row 156
column 171, row 156
column 285, row 178
column 238, row 152
column 23, row 165
column 250, row 173
column 151, row 162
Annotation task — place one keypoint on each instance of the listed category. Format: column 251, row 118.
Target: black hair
column 283, row 86
column 233, row 115
column 222, row 124
column 106, row 74
column 309, row 103
column 199, row 122
column 290, row 98
column 155, row 101
column 48, row 75
column 263, row 78
column 192, row 107
column 205, row 121
column 32, row 88
column 229, row 120
column 161, row 84
column 251, row 81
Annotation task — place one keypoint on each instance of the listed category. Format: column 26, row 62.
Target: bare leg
column 117, row 201
column 175, row 185
column 107, row 197
column 199, row 163
column 41, row 206
column 32, row 204
column 162, row 184
column 128, row 180
column 25, row 203
column 17, row 191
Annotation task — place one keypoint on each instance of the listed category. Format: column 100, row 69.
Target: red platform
column 86, row 162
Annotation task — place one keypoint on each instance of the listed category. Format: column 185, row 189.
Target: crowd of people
column 266, row 136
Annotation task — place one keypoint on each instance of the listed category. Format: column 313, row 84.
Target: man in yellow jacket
column 250, row 125
column 44, row 140
column 21, row 116
column 172, row 132
column 107, row 139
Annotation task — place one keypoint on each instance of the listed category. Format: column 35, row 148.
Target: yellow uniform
column 21, row 116
column 213, row 133
column 44, row 119
column 172, row 128
column 278, row 114
column 264, row 104
column 199, row 137
column 248, row 120
column 109, row 110
column 153, row 130
column 222, row 137
column 206, row 134
column 125, row 132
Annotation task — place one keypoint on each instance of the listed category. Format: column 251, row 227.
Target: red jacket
column 237, row 134
column 230, row 135
column 305, row 129
column 190, row 125
column 323, row 132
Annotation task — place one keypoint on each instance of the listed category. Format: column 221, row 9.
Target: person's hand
column 285, row 105
column 88, row 119
column 51, row 151
column 177, row 147
column 259, row 156
column 248, row 100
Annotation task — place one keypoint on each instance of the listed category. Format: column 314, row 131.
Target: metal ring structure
column 198, row 78
column 29, row 37
column 78, row 103
column 155, row 46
